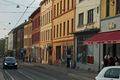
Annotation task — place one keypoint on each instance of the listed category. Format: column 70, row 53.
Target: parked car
column 109, row 73
column 10, row 62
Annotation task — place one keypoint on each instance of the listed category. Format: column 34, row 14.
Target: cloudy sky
column 11, row 11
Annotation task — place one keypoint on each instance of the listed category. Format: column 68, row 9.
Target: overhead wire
column 16, row 3
column 14, row 12
column 24, row 12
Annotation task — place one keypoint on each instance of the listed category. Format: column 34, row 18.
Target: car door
column 112, row 74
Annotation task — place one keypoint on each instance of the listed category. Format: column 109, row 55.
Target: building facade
column 6, row 46
column 46, row 31
column 110, row 16
column 87, row 25
column 63, row 23
column 18, row 41
column 2, row 46
column 36, row 35
column 28, row 40
column 10, row 43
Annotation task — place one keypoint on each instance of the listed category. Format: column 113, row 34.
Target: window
column 57, row 30
column 48, row 35
column 90, row 16
column 54, row 10
column 68, row 5
column 107, row 7
column 49, row 16
column 57, row 9
column 64, row 5
column 68, row 27
column 51, row 34
column 64, row 29
column 72, row 3
column 72, row 24
column 112, row 73
column 60, row 28
column 54, row 31
column 81, row 19
column 60, row 6
column 117, row 7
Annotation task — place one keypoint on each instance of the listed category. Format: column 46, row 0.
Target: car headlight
column 5, row 63
column 16, row 63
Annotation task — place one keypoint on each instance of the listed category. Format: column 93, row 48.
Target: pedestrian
column 105, row 61
column 116, row 60
column 111, row 63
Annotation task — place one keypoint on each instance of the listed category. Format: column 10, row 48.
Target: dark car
column 10, row 62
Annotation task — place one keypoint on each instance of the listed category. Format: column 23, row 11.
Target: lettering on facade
column 111, row 25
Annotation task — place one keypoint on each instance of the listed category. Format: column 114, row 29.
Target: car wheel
column 4, row 68
column 15, row 67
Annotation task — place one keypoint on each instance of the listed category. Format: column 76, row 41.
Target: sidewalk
column 76, row 73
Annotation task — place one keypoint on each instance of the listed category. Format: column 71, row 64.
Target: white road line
column 9, row 75
column 26, row 75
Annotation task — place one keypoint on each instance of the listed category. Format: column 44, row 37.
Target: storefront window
column 42, row 54
column 64, row 52
column 81, row 51
column 90, row 50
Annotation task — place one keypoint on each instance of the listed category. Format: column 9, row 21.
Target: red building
column 35, row 17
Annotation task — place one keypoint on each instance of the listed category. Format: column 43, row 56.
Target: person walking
column 116, row 60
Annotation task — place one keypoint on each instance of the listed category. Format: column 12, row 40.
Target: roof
column 21, row 26
column 42, row 2
column 35, row 12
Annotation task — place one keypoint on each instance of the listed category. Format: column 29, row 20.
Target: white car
column 109, row 73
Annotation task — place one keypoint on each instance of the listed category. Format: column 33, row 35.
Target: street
column 37, row 72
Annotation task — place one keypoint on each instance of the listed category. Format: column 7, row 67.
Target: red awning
column 104, row 38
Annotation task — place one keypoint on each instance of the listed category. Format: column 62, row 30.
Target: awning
column 104, row 38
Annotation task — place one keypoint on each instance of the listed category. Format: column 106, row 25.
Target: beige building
column 63, row 25
column 87, row 25
column 28, row 40
column 46, row 31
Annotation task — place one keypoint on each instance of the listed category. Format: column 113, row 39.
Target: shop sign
column 111, row 25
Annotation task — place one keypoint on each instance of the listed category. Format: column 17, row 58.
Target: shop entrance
column 110, row 49
column 58, row 52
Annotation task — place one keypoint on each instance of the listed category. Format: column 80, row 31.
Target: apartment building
column 35, row 17
column 46, row 31
column 63, row 23
column 87, row 25
column 28, row 40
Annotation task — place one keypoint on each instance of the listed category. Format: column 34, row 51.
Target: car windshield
column 10, row 59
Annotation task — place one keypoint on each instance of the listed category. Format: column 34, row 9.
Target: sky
column 11, row 11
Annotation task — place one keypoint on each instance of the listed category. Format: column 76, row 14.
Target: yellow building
column 46, row 31
column 63, row 23
column 109, row 8
column 28, row 40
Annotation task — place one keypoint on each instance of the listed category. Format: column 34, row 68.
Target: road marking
column 9, row 75
column 26, row 75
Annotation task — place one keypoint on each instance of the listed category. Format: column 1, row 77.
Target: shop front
column 86, row 55
column 110, row 44
column 64, row 53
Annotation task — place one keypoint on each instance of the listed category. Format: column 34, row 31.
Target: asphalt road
column 25, row 72
column 29, row 72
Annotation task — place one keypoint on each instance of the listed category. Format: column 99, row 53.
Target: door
column 58, row 52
